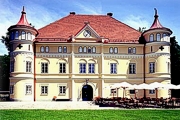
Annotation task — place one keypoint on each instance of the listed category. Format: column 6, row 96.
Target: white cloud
column 136, row 21
column 95, row 9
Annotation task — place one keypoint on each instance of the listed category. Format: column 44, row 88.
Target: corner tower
column 157, row 54
column 22, row 59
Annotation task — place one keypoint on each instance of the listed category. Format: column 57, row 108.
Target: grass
column 89, row 114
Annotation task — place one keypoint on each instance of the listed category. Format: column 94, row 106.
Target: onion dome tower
column 157, row 53
column 22, row 59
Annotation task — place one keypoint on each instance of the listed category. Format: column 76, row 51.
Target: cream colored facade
column 41, row 85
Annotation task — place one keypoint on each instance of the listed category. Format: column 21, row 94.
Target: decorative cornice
column 21, row 53
column 157, row 54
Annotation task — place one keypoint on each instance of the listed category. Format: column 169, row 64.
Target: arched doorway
column 87, row 93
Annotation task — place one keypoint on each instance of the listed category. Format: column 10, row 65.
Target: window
column 29, row 47
column 82, row 67
column 28, row 89
column 91, row 68
column 132, row 91
column 115, row 50
column 169, row 67
column 42, row 49
column 151, row 67
column 62, row 67
column 64, row 49
column 23, row 35
column 85, row 49
column 113, row 91
column 94, row 50
column 158, row 37
column 80, row 49
column 16, row 35
column 129, row 50
column 47, row 49
column 134, row 50
column 11, row 89
column 113, row 68
column 44, row 89
column 60, row 49
column 151, row 49
column 28, row 66
column 151, row 38
column 62, row 89
column 89, row 49
column 12, row 66
column 28, row 36
column 44, row 67
column 110, row 50
column 151, row 91
column 12, row 35
column 164, row 35
column 132, row 68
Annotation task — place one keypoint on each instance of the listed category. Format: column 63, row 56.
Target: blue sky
column 135, row 13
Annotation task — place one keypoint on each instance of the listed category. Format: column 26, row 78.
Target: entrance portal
column 87, row 93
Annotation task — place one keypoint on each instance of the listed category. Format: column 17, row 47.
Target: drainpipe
column 144, row 67
column 34, row 46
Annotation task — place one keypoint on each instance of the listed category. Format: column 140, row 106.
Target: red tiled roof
column 105, row 25
column 23, row 20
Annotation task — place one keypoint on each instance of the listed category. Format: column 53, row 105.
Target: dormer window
column 80, row 49
column 47, row 49
column 151, row 38
column 158, row 37
column 115, row 50
column 42, row 49
column 23, row 35
column 89, row 49
column 85, row 49
column 16, row 35
column 60, row 49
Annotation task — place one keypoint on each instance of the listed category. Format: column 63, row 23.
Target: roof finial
column 23, row 11
column 156, row 15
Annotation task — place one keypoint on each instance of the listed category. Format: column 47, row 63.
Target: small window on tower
column 16, row 35
column 23, row 34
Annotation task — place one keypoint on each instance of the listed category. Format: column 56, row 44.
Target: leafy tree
column 6, row 41
column 141, row 29
column 175, row 65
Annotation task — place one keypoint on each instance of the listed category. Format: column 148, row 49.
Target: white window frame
column 16, row 35
column 113, row 68
column 134, row 50
column 151, row 67
column 44, row 66
column 132, row 68
column 42, row 49
column 44, row 90
column 111, row 50
column 60, row 49
column 94, row 49
column 29, row 36
column 85, row 49
column 47, row 49
column 151, row 37
column 62, row 90
column 28, row 89
column 115, row 50
column 28, row 66
column 82, row 68
column 80, row 49
column 62, row 67
column 23, row 35
column 91, row 68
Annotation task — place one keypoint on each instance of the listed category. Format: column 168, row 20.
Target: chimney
column 72, row 13
column 110, row 14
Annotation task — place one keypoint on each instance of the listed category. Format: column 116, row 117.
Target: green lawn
column 89, row 114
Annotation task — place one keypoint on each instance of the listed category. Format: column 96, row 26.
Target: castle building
column 78, row 56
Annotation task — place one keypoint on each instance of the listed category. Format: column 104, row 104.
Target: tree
column 141, row 29
column 175, row 65
column 6, row 41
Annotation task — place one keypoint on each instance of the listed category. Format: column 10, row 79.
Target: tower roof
column 156, row 23
column 23, row 20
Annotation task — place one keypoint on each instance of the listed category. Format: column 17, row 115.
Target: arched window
column 85, row 49
column 23, row 35
column 129, row 50
column 47, row 49
column 151, row 38
column 89, row 49
column 64, row 49
column 164, row 35
column 134, row 50
column 42, row 49
column 80, row 49
column 29, row 36
column 115, row 50
column 60, row 49
column 158, row 37
column 110, row 50
column 16, row 35
column 94, row 49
